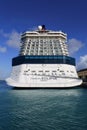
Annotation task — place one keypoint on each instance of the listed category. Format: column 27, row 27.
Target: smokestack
column 43, row 27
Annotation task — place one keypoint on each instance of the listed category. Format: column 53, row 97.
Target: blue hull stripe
column 43, row 60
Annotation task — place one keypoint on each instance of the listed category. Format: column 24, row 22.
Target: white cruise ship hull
column 44, row 76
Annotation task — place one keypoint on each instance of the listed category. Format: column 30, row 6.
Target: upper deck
column 43, row 42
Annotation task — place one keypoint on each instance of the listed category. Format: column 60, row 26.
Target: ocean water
column 43, row 109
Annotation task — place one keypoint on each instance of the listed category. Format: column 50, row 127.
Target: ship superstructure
column 43, row 61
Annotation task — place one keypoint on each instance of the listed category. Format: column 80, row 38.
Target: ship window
column 72, row 72
column 47, row 71
column 61, row 71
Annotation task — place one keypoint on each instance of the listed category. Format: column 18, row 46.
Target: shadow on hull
column 47, row 88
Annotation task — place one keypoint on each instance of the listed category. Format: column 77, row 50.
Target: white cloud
column 82, row 62
column 3, row 49
column 13, row 39
column 74, row 45
column 2, row 33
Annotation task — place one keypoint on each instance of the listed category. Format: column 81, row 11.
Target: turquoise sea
column 43, row 109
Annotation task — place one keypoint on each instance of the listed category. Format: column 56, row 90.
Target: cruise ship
column 43, row 61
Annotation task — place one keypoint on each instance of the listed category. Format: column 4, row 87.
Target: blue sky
column 17, row 16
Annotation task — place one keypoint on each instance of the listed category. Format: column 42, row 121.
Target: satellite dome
column 40, row 27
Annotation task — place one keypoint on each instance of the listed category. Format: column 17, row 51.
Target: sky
column 17, row 16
